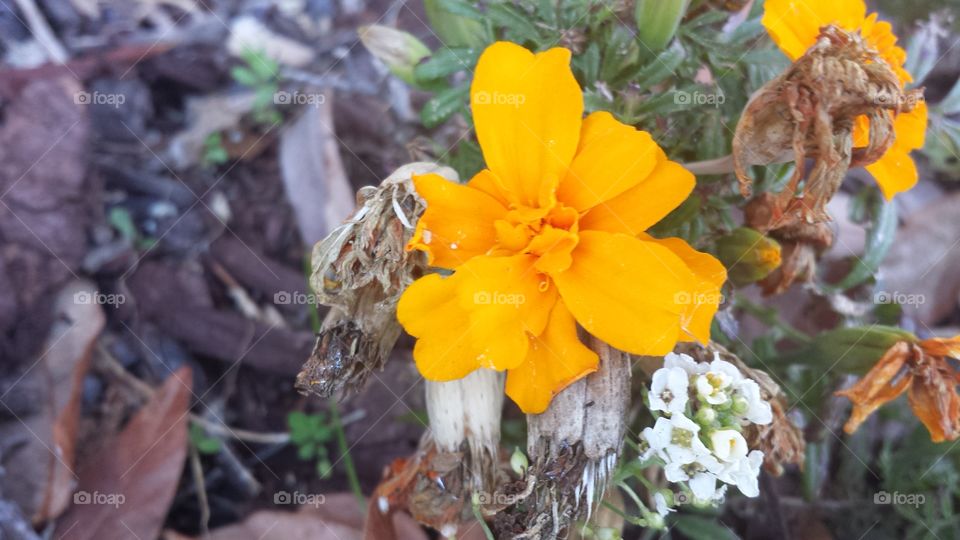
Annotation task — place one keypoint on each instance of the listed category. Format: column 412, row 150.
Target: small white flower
column 684, row 362
column 745, row 474
column 758, row 411
column 728, row 445
column 704, row 486
column 668, row 392
column 729, row 370
column 660, row 502
column 710, row 388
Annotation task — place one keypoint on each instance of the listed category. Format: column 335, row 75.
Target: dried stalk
column 573, row 447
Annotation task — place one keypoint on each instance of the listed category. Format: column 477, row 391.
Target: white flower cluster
column 698, row 437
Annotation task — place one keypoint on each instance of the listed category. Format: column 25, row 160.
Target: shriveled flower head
column 795, row 26
column 551, row 234
column 922, row 369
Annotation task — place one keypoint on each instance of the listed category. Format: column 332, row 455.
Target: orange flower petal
column 611, row 158
column 429, row 311
column 626, row 291
column 880, row 385
column 895, row 172
column 934, row 400
column 458, row 222
column 643, row 205
column 527, row 110
column 487, row 182
column 795, row 24
column 555, row 360
column 705, row 299
column 508, row 301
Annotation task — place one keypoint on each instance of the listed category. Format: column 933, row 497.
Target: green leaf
column 203, row 442
column 658, row 69
column 848, row 350
column 702, row 528
column 443, row 105
column 879, row 239
column 445, row 62
column 455, row 30
column 460, row 7
column 515, row 21
column 244, row 76
column 306, row 451
column 589, row 64
column 119, row 217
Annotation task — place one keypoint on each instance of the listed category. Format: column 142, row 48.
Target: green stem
column 345, row 456
column 483, row 524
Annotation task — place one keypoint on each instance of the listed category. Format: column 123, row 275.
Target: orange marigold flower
column 551, row 234
column 922, row 369
column 794, row 26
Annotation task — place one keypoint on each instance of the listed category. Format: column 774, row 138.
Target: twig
column 113, row 367
column 42, row 32
column 196, row 469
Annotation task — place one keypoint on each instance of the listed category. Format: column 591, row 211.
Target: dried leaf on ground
column 313, row 175
column 126, row 489
column 40, row 467
column 336, row 517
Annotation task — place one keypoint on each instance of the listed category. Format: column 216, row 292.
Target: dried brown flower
column 810, row 111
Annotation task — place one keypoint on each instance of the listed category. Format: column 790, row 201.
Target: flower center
column 548, row 233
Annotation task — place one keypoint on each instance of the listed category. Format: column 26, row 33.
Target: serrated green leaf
column 443, row 105
column 515, row 21
column 658, row 69
column 460, row 7
column 445, row 62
